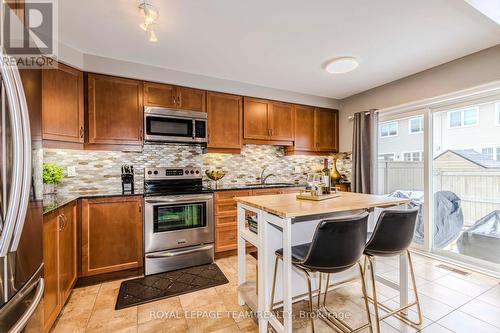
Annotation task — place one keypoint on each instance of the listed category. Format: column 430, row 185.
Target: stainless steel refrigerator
column 21, row 251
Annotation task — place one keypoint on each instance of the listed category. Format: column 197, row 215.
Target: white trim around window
column 462, row 117
column 497, row 113
column 421, row 125
column 412, row 155
column 389, row 130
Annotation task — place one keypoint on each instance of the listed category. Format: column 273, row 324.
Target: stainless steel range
column 178, row 220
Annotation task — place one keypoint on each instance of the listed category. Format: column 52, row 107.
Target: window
column 386, row 157
column 389, row 129
column 413, row 156
column 488, row 152
column 463, row 117
column 416, row 125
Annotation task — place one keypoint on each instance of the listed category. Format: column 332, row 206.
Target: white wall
column 475, row 69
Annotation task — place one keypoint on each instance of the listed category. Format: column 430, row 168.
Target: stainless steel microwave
column 168, row 125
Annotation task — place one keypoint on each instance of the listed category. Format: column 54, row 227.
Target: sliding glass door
column 466, row 182
column 401, row 157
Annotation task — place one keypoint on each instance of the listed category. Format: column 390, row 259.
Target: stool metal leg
column 319, row 289
column 338, row 324
column 311, row 311
column 396, row 312
column 273, row 290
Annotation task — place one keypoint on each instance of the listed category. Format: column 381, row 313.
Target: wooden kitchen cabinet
column 62, row 107
column 268, row 121
column 327, row 130
column 60, row 260
column 225, row 122
column 159, row 95
column 316, row 131
column 111, row 234
column 115, row 112
column 170, row 96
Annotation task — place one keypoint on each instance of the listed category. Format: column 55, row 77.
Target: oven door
column 167, row 128
column 178, row 221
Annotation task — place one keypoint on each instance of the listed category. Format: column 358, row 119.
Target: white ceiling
column 283, row 43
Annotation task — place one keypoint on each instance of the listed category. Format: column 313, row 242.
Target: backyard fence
column 478, row 190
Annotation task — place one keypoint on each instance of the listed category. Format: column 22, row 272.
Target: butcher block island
column 284, row 221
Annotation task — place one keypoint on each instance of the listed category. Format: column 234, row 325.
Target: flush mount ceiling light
column 342, row 65
column 150, row 14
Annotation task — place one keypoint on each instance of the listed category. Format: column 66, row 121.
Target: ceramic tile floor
column 450, row 302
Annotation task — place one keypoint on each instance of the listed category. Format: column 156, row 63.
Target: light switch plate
column 71, row 171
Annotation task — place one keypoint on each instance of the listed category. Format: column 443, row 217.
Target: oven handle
column 178, row 253
column 179, row 199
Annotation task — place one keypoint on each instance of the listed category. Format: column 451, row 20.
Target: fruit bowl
column 215, row 174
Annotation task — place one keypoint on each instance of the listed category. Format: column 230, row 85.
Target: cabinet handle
column 140, row 134
column 179, row 100
column 271, row 131
column 173, row 99
column 140, row 208
column 81, row 132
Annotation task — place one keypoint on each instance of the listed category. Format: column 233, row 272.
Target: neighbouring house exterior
column 474, row 127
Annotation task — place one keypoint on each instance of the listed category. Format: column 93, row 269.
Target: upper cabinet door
column 281, row 121
column 62, row 104
column 304, row 128
column 191, row 99
column 160, row 95
column 224, row 121
column 256, row 119
column 115, row 110
column 327, row 129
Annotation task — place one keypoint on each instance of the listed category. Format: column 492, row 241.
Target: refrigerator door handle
column 26, row 156
column 14, row 196
column 23, row 321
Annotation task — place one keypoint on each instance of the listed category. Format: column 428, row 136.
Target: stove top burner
column 168, row 181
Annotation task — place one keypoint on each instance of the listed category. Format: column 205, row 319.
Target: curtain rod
column 367, row 113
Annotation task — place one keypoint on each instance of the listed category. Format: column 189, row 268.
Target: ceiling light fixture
column 342, row 65
column 150, row 15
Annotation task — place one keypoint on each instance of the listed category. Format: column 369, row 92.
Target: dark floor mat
column 164, row 285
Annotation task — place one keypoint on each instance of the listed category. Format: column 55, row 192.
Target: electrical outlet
column 71, row 171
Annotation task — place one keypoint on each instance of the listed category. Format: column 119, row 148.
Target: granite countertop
column 52, row 202
column 229, row 187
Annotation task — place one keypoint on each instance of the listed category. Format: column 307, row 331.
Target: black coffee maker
column 127, row 178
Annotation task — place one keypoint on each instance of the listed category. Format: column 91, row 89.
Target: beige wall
column 475, row 69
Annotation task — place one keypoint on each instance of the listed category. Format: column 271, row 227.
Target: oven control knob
column 149, row 172
column 156, row 172
column 187, row 172
column 192, row 172
column 197, row 171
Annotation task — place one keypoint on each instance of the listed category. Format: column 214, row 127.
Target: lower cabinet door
column 111, row 234
column 51, row 299
column 225, row 238
column 67, row 250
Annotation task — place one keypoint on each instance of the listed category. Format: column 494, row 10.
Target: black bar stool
column 337, row 245
column 392, row 236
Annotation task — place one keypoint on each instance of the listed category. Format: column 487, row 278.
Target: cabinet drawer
column 225, row 208
column 267, row 191
column 229, row 220
column 225, row 239
column 229, row 195
column 291, row 190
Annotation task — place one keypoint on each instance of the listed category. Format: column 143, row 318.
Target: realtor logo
column 29, row 31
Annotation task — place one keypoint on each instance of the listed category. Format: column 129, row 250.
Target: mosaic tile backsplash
column 100, row 170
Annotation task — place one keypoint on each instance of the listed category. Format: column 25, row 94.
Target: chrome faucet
column 262, row 178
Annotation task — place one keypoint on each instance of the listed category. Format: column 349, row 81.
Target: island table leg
column 242, row 276
column 403, row 281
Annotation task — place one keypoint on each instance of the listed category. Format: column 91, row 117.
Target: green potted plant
column 52, row 175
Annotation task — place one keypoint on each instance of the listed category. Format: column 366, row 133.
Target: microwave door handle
column 26, row 152
column 13, row 195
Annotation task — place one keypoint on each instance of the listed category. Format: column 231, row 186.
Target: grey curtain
column 364, row 152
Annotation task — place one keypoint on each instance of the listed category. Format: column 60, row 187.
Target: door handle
column 26, row 158
column 178, row 253
column 13, row 206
